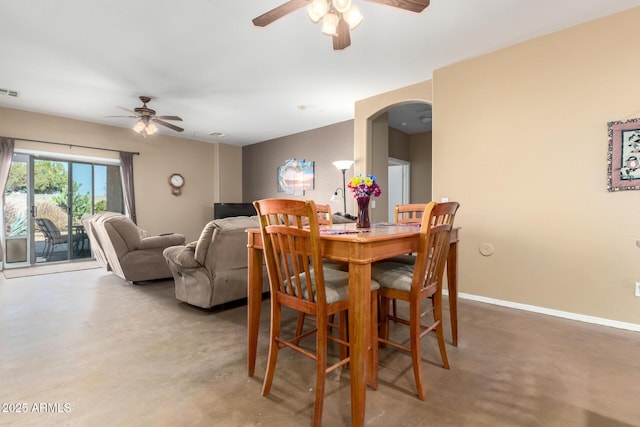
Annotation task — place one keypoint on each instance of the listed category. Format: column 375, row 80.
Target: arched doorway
column 367, row 116
column 398, row 141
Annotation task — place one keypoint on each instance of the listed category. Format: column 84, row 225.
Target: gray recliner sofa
column 122, row 247
column 213, row 270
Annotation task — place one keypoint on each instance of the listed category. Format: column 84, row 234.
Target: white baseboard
column 550, row 312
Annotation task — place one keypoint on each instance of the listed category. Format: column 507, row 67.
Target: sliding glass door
column 16, row 219
column 50, row 210
column 45, row 202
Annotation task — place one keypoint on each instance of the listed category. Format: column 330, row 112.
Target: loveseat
column 122, row 247
column 213, row 270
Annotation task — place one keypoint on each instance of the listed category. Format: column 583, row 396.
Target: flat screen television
column 225, row 210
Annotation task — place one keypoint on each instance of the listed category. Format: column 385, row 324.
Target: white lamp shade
column 343, row 165
column 352, row 16
column 139, row 126
column 317, row 9
column 151, row 129
column 341, row 5
column 335, row 197
column 330, row 24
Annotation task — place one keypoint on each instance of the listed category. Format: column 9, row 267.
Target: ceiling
column 204, row 60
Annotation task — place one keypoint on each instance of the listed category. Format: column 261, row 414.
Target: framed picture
column 296, row 176
column 623, row 156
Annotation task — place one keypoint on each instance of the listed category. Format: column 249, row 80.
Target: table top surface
column 382, row 231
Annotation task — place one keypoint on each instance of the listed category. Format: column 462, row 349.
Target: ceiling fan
column 338, row 16
column 147, row 119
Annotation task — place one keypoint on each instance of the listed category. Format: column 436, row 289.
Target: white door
column 399, row 173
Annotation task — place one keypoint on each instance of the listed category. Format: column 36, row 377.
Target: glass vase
column 363, row 212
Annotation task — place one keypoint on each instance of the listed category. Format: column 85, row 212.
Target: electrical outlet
column 638, row 289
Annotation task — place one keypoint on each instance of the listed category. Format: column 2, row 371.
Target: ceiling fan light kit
column 331, row 12
column 147, row 119
column 342, row 5
column 317, row 9
column 330, row 24
column 338, row 16
column 145, row 129
column 353, row 17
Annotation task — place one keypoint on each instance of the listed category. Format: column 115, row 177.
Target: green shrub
column 81, row 202
column 15, row 221
column 100, row 206
column 18, row 226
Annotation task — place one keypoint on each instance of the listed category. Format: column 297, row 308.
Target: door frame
column 405, row 189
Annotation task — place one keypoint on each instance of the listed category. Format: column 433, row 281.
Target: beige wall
column 203, row 166
column 414, row 148
column 399, row 145
column 229, row 167
column 379, row 211
column 323, row 146
column 520, row 140
column 420, row 155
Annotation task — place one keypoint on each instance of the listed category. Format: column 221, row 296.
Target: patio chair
column 52, row 236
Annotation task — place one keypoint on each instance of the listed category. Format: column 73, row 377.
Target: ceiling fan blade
column 131, row 117
column 278, row 12
column 410, row 5
column 128, row 110
column 343, row 39
column 169, row 118
column 169, row 125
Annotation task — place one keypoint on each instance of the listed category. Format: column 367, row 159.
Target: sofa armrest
column 182, row 256
column 154, row 242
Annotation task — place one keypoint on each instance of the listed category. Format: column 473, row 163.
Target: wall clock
column 176, row 181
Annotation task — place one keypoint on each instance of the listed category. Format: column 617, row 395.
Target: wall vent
column 9, row 92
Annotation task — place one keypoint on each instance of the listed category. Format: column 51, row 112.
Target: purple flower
column 364, row 186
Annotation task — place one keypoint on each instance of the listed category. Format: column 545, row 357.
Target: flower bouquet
column 363, row 188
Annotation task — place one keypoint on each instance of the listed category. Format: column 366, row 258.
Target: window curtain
column 126, row 172
column 6, row 155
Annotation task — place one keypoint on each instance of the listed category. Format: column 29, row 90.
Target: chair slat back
column 409, row 213
column 433, row 249
column 290, row 236
column 324, row 215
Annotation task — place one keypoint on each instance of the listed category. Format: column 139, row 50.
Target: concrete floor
column 97, row 351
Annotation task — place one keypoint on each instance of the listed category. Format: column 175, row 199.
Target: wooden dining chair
column 297, row 279
column 325, row 217
column 409, row 213
column 415, row 283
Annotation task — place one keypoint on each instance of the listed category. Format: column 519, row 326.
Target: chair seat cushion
column 336, row 284
column 394, row 275
column 403, row 259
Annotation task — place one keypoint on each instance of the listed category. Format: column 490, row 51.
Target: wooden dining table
column 359, row 248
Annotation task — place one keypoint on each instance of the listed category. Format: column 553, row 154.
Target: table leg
column 254, row 303
column 359, row 331
column 452, row 282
